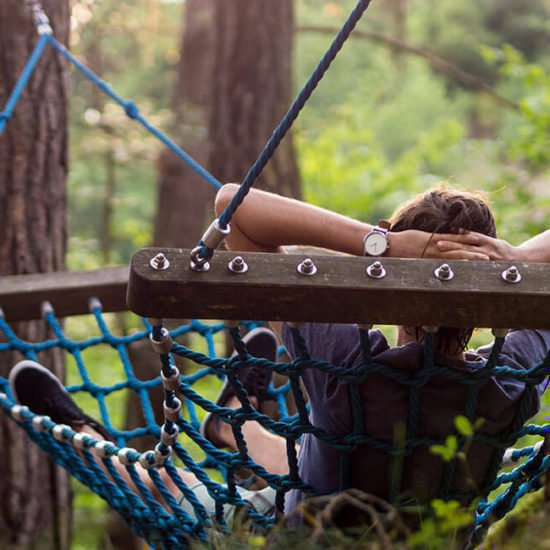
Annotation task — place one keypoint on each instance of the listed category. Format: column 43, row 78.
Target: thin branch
column 437, row 63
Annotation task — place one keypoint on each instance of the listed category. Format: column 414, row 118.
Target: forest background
column 425, row 91
column 382, row 125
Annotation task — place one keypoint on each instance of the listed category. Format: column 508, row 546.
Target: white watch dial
column 375, row 244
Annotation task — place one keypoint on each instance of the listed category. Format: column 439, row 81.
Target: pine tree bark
column 35, row 504
column 252, row 91
column 185, row 200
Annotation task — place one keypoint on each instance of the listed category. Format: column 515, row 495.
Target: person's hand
column 465, row 246
column 470, row 246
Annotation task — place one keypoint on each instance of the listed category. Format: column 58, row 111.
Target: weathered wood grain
column 22, row 296
column 340, row 291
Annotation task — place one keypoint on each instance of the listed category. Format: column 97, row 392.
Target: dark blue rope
column 290, row 117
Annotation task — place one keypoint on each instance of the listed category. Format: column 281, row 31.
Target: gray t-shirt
column 386, row 404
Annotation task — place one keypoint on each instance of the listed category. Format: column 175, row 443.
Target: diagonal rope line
column 7, row 113
column 132, row 112
column 294, row 111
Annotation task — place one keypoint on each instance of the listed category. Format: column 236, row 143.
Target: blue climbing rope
column 7, row 113
column 171, row 527
column 289, row 118
column 130, row 108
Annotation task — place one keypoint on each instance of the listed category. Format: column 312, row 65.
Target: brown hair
column 445, row 210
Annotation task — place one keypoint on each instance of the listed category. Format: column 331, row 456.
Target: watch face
column 375, row 244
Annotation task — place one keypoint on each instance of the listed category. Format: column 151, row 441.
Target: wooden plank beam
column 22, row 296
column 341, row 291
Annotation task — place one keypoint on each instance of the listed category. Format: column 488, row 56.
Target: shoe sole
column 29, row 364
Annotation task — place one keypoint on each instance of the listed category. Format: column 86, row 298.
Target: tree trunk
column 34, row 494
column 252, row 91
column 185, row 200
column 233, row 87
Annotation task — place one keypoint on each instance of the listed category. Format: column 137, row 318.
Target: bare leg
column 187, row 477
column 266, row 449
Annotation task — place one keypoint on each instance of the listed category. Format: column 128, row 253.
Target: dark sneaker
column 40, row 390
column 262, row 343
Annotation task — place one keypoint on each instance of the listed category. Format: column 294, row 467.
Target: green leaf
column 464, row 426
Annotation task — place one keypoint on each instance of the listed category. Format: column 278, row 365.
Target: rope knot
column 5, row 116
column 131, row 109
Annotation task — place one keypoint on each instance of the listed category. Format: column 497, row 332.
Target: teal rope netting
column 171, row 528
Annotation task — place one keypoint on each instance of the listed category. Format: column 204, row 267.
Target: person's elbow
column 224, row 196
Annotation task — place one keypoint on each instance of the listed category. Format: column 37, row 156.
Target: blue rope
column 132, row 111
column 173, row 526
column 7, row 113
column 290, row 117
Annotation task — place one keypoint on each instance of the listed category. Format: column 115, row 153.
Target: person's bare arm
column 265, row 222
column 536, row 249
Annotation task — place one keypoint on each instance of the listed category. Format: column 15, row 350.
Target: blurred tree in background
column 389, row 120
column 35, row 495
column 379, row 128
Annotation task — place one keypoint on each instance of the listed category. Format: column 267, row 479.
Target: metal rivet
column 307, row 267
column 511, row 275
column 444, row 272
column 238, row 265
column 159, row 262
column 376, row 270
column 196, row 263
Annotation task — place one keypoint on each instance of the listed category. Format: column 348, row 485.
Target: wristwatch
column 376, row 241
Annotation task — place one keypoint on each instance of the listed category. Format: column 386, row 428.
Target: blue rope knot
column 5, row 116
column 131, row 109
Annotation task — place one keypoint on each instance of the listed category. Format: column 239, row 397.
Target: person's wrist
column 519, row 254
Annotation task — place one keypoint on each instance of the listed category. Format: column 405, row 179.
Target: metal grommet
column 307, row 267
column 376, row 270
column 82, row 441
column 238, row 265
column 173, row 413
column 147, row 460
column 169, row 439
column 93, row 304
column 444, row 272
column 125, row 456
column 37, row 423
column 196, row 263
column 46, row 308
column 160, row 456
column 160, row 262
column 104, row 448
column 58, row 432
column 18, row 411
column 163, row 346
column 215, row 235
column 511, row 275
column 171, row 382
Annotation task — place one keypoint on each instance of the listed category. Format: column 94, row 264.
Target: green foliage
column 530, row 141
column 379, row 128
column 443, row 527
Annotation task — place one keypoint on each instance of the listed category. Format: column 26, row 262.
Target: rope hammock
column 171, row 527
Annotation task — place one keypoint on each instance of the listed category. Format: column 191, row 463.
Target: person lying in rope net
column 392, row 459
